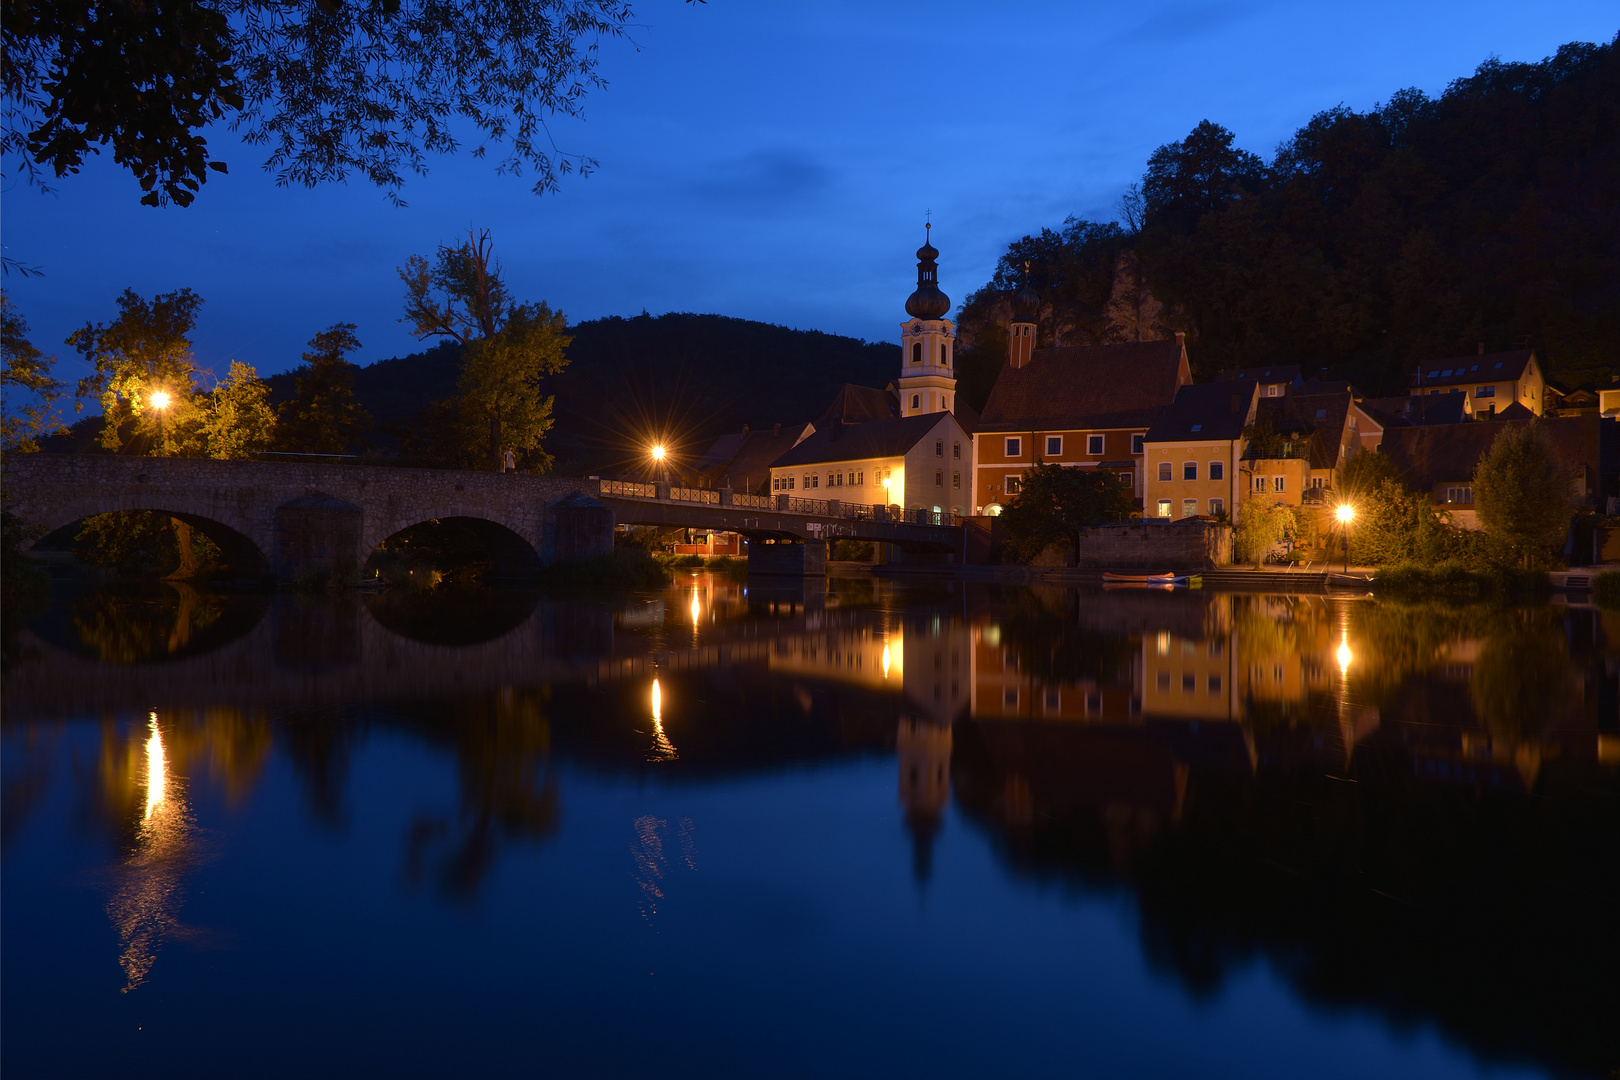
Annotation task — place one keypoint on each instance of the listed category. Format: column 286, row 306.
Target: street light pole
column 1346, row 514
column 160, row 402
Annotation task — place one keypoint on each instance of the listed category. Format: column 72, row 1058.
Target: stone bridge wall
column 1156, row 545
column 295, row 514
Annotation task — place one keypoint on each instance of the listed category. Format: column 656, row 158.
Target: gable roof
column 1206, row 412
column 1308, row 415
column 1276, row 373
column 1415, row 410
column 860, row 405
column 1516, row 411
column 1449, row 453
column 1466, row 370
column 743, row 462
column 1087, row 386
column 856, row 442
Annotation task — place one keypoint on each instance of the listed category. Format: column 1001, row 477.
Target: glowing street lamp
column 658, row 452
column 1346, row 514
column 160, row 401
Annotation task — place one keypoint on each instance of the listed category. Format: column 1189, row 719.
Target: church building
column 919, row 459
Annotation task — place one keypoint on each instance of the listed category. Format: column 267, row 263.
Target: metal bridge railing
column 630, row 489
column 697, row 495
column 787, row 504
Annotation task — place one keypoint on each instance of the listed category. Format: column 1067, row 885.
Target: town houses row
column 1184, row 449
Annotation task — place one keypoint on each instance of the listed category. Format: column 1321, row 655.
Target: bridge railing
column 753, row 502
column 629, row 489
column 697, row 495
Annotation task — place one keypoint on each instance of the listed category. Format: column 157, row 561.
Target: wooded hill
column 1371, row 241
column 679, row 377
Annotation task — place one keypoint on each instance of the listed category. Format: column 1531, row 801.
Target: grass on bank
column 620, row 570
column 1606, row 589
column 1453, row 579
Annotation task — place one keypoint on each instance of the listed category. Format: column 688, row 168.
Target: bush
column 1606, row 589
column 850, row 551
column 1259, row 528
column 1456, row 579
column 619, row 570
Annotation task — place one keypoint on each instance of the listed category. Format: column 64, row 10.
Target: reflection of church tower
column 1026, row 309
column 924, row 752
column 927, row 343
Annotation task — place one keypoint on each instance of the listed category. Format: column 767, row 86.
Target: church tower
column 927, row 382
column 1026, row 309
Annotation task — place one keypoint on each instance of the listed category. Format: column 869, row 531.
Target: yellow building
column 1193, row 453
column 1492, row 381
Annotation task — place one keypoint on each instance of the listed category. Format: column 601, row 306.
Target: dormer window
column 1321, row 414
column 1198, row 427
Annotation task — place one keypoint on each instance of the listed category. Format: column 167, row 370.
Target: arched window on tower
column 944, row 357
column 916, row 401
column 916, row 352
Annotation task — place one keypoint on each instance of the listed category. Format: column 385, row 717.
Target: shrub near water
column 620, row 569
column 1455, row 579
column 1606, row 589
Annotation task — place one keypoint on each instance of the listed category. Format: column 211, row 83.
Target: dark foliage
column 322, row 417
column 1056, row 502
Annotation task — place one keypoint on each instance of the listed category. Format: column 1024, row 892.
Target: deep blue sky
column 769, row 161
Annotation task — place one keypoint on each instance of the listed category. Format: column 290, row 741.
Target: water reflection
column 1360, row 792
column 145, row 904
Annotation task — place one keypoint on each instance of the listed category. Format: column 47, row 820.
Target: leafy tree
column 1056, row 502
column 1260, row 526
column 322, row 417
column 27, row 372
column 1199, row 175
column 371, row 86
column 507, row 350
column 1364, row 473
column 1523, row 493
column 237, row 418
column 143, row 352
column 1395, row 525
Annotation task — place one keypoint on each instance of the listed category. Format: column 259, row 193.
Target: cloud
column 766, row 177
column 1184, row 22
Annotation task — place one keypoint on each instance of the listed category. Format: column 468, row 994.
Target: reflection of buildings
column 923, row 753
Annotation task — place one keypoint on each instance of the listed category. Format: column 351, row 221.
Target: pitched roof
column 1516, row 411
column 1461, row 370
column 751, row 455
column 856, row 442
column 860, row 405
column 1307, row 414
column 1205, row 412
column 1276, row 373
column 1087, row 386
column 1449, row 453
column 1416, row 410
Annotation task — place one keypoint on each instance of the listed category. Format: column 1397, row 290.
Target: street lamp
column 658, row 453
column 160, row 402
column 1346, row 514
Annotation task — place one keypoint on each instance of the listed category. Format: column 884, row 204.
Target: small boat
column 1140, row 579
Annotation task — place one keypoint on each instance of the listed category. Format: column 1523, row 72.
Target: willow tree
column 507, row 349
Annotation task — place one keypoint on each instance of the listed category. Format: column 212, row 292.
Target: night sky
column 766, row 160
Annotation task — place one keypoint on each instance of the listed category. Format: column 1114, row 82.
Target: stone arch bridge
column 283, row 517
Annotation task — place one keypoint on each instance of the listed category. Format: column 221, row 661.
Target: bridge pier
column 807, row 558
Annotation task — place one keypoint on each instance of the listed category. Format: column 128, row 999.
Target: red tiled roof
column 860, row 405
column 857, row 442
column 1449, row 453
column 1087, row 386
column 1206, row 412
column 1276, row 373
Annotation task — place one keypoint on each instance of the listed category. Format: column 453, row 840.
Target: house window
column 1279, row 483
column 943, row 362
column 776, row 485
column 1217, row 470
column 1189, row 508
column 1214, row 684
column 860, row 479
column 1054, row 445
column 791, row 482
column 1259, row 483
column 1136, row 443
column 1164, row 508
column 1014, row 485
column 1164, row 472
column 1317, row 482
column 1015, row 447
column 956, row 479
column 939, row 478
column 1479, row 391
column 1271, row 391
column 939, row 447
column 1217, row 507
column 815, row 482
column 916, row 401
column 1189, row 470
column 1464, row 495
column 1094, row 444
column 1321, row 414
column 916, row 353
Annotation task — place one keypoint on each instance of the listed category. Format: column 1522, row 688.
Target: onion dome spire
column 927, row 302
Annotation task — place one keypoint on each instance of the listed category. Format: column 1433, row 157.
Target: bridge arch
column 242, row 553
column 507, row 552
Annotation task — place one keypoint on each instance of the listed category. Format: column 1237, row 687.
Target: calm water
column 872, row 830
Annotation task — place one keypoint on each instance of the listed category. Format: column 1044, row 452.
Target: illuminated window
column 1189, row 508
column 1217, row 507
column 1014, row 485
column 1164, row 508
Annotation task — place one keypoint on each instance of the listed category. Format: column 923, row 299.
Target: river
column 860, row 828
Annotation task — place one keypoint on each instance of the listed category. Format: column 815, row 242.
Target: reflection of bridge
column 288, row 516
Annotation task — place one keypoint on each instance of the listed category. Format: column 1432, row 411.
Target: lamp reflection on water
column 697, row 610
column 1343, row 654
column 145, row 906
column 662, row 748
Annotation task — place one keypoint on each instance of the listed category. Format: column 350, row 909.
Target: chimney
column 745, row 429
column 777, row 434
column 1181, row 340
